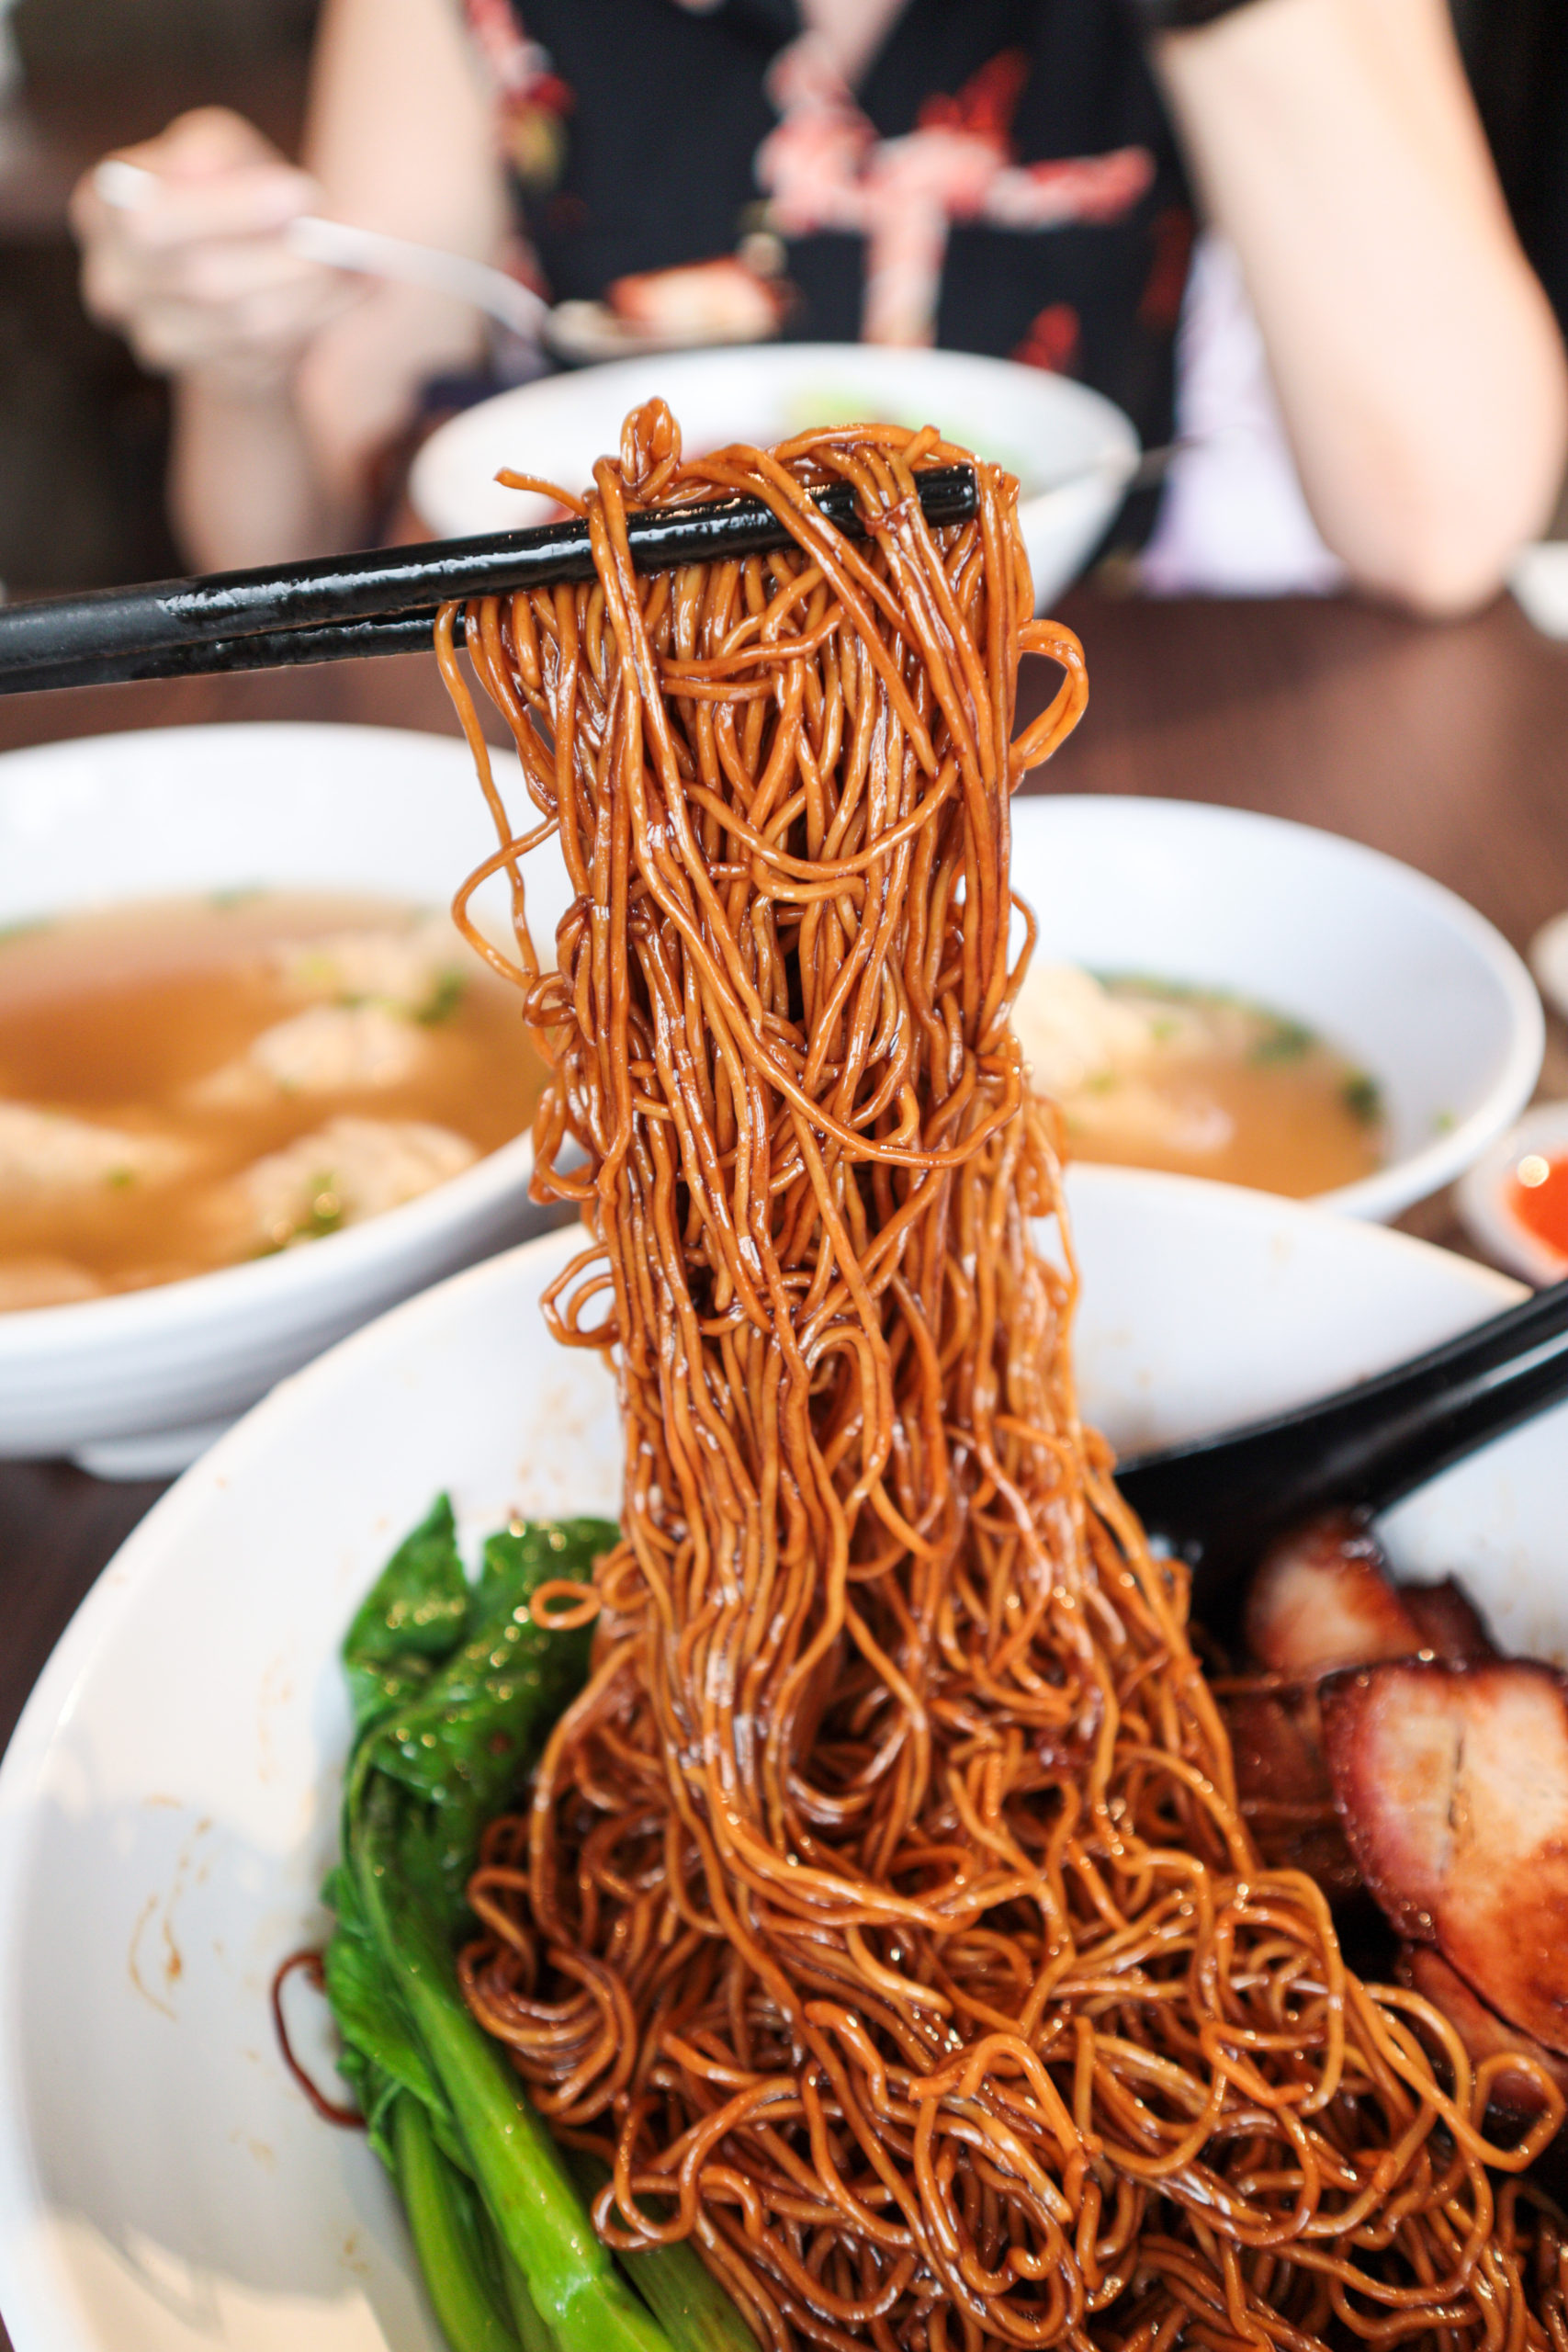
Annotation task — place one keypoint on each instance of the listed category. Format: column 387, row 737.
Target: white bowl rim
column 1419, row 1174
column 29, row 1333
column 108, row 740
column 32, row 2312
column 163, row 1307
column 1117, row 461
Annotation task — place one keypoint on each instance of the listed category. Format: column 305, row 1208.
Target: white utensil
column 368, row 252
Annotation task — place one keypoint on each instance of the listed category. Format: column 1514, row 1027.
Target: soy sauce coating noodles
column 883, row 1914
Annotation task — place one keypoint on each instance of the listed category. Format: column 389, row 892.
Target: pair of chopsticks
column 383, row 601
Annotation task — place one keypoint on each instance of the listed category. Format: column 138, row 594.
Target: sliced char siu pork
column 1323, row 1598
column 1451, row 1782
column 1516, row 2096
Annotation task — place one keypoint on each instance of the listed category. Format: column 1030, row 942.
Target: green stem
column 532, row 2332
column 533, row 2204
column 698, row 2317
column 444, row 2237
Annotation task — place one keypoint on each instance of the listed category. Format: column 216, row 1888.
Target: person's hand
column 185, row 251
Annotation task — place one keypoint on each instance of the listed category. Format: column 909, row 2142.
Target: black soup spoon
column 1220, row 1501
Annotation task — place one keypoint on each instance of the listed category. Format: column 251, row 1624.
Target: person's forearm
column 1418, row 364
column 243, row 488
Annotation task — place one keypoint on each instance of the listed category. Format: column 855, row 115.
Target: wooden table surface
column 1446, row 746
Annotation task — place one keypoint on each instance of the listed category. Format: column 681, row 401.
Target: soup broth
column 1151, row 1075
column 184, row 1084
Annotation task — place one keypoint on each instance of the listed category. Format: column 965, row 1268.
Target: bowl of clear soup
column 1226, row 995
column 253, row 1085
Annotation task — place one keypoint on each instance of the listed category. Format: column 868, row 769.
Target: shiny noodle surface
column 883, row 1914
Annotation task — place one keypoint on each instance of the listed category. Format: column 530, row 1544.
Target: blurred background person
column 1008, row 176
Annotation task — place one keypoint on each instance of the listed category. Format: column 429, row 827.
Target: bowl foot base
column 160, row 1454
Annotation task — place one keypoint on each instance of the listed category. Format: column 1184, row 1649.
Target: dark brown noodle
column 883, row 1913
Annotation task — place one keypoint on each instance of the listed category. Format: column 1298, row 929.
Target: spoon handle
column 1219, row 1502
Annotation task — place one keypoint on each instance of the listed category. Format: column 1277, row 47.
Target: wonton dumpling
column 1072, row 1030
column 348, row 1171
column 330, row 1050
column 50, row 1151
column 405, row 969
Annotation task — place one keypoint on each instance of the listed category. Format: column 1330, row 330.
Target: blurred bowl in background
column 1549, row 962
column 1072, row 450
column 135, row 1384
column 1403, row 978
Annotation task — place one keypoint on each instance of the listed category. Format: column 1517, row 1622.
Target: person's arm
column 288, row 376
column 1417, row 363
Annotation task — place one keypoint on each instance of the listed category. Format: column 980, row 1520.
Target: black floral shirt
column 1004, row 178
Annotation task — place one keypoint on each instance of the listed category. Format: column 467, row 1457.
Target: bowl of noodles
column 253, row 1086
column 1072, row 450
column 169, row 1805
column 780, row 1856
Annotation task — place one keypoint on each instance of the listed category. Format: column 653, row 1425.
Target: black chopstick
column 378, row 602
column 267, row 648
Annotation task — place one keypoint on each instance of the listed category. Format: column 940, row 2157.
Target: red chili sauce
column 1541, row 1207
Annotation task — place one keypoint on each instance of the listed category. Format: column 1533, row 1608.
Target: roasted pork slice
column 1449, row 1622
column 1452, row 1785
column 1323, row 1598
column 1278, row 1765
column 1284, row 1791
column 1515, row 2095
column 720, row 300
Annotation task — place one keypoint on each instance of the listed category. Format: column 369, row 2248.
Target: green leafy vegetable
column 462, row 1740
column 413, row 1616
column 454, row 1689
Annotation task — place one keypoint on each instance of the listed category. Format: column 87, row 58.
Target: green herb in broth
column 1363, row 1098
column 444, row 1000
column 1285, row 1041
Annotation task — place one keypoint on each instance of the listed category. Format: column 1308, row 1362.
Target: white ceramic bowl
column 135, row 1384
column 1485, row 1205
column 169, row 1803
column 1071, row 449
column 1403, row 976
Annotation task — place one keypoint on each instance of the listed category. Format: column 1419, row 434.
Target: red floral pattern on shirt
column 825, row 167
